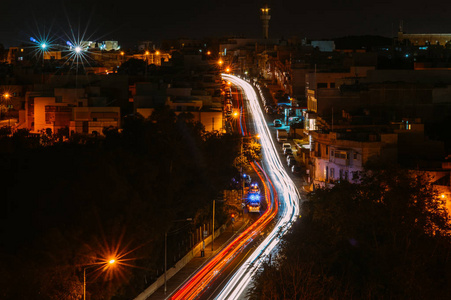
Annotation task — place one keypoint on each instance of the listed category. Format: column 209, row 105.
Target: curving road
column 285, row 207
column 287, row 193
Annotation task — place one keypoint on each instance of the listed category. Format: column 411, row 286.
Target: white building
column 340, row 156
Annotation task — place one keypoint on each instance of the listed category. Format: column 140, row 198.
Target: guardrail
column 178, row 266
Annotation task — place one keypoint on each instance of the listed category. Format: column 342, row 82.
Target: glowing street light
column 77, row 49
column 109, row 263
column 220, row 62
column 41, row 45
column 208, row 52
column 228, row 70
column 6, row 97
column 157, row 53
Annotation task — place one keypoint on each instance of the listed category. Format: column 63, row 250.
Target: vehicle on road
column 269, row 110
column 277, row 123
column 253, row 198
column 290, row 159
column 286, row 145
column 296, row 169
column 294, row 120
column 287, row 151
column 254, row 188
column 282, row 135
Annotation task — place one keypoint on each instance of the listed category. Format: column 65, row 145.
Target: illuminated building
column 339, row 156
column 423, row 39
column 92, row 120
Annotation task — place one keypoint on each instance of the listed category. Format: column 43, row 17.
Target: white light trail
column 288, row 197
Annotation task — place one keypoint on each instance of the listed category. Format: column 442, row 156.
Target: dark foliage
column 67, row 205
column 133, row 66
column 387, row 238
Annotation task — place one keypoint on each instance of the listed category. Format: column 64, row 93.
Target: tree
column 252, row 150
column 94, row 194
column 388, row 237
column 5, row 131
column 133, row 66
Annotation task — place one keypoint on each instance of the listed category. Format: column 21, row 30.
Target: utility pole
column 165, row 258
column 213, row 231
column 242, row 177
column 84, row 284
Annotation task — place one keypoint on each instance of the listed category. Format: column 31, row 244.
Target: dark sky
column 129, row 20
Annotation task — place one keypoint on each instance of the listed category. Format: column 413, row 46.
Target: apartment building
column 338, row 156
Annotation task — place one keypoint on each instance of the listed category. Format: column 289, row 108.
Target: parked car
column 287, row 151
column 294, row 120
column 282, row 135
column 269, row 110
column 277, row 123
column 296, row 169
column 286, row 145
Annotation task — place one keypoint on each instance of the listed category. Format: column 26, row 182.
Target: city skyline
column 134, row 21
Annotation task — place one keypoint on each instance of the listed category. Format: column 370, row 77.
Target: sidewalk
column 197, row 262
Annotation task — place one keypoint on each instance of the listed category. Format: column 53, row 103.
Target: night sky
column 129, row 21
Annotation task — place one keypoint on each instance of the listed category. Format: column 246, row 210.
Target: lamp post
column 165, row 258
column 213, row 231
column 242, row 177
column 147, row 61
column 6, row 101
column 110, row 262
column 166, row 251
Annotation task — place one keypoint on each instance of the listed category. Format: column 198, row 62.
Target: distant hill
column 361, row 42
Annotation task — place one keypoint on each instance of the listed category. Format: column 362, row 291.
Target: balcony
column 341, row 161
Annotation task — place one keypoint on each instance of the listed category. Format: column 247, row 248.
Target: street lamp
column 166, row 251
column 213, row 231
column 6, row 97
column 109, row 263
